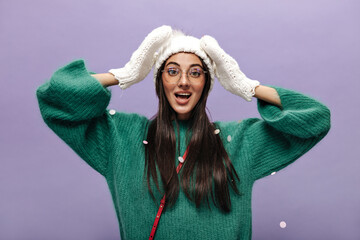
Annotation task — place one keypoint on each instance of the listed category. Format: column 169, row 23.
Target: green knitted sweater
column 73, row 104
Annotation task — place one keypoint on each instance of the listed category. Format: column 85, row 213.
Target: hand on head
column 163, row 42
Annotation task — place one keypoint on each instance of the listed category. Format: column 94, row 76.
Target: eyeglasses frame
column 187, row 74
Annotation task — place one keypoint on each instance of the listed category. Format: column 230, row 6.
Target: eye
column 172, row 71
column 195, row 72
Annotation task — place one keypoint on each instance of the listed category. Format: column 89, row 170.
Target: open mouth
column 182, row 95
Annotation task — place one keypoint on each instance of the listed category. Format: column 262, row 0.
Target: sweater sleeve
column 73, row 104
column 284, row 134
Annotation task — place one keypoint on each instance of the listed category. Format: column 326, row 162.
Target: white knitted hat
column 179, row 42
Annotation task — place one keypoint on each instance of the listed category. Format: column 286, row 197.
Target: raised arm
column 106, row 79
column 291, row 123
column 73, row 104
column 268, row 94
column 284, row 133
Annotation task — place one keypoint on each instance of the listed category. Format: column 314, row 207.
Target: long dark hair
column 207, row 171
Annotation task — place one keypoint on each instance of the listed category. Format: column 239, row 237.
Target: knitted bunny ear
column 142, row 60
column 227, row 70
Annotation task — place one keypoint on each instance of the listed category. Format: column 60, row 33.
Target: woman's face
column 183, row 94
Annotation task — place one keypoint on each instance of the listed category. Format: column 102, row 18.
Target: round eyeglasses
column 173, row 74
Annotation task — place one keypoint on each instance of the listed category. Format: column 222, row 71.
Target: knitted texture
column 227, row 70
column 73, row 104
column 142, row 60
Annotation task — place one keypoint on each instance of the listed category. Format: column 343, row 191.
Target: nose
column 184, row 81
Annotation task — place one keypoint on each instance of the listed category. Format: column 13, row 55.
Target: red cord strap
column 162, row 202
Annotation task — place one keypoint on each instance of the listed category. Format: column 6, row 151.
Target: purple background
column 312, row 46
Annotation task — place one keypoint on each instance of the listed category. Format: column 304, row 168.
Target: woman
column 211, row 196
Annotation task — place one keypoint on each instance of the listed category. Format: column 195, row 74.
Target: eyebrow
column 192, row 65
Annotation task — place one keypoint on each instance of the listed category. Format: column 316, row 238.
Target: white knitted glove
column 142, row 60
column 227, row 70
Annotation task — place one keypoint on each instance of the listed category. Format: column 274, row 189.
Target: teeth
column 183, row 95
